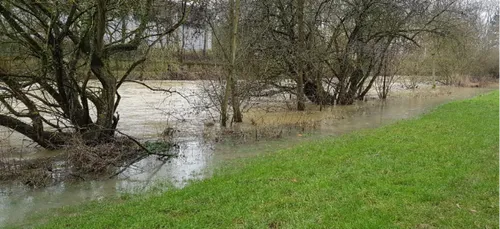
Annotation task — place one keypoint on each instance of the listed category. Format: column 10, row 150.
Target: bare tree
column 345, row 42
column 60, row 47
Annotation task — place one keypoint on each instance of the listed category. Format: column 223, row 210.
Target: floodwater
column 145, row 114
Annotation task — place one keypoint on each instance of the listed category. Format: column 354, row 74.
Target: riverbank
column 440, row 170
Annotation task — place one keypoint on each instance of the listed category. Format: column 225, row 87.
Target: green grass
column 437, row 171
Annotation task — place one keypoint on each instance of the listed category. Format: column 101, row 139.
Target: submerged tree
column 338, row 43
column 55, row 51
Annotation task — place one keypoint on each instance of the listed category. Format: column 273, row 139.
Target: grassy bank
column 438, row 171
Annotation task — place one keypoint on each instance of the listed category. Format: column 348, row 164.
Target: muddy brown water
column 145, row 114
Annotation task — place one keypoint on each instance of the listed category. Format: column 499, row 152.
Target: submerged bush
column 102, row 158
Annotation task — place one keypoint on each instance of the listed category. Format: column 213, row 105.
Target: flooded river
column 146, row 114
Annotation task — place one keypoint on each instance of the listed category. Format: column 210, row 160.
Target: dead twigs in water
column 82, row 161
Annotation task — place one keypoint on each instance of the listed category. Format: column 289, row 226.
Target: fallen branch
column 140, row 157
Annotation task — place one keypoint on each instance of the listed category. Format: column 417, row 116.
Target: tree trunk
column 234, row 12
column 103, row 129
column 299, row 54
column 224, row 103
column 183, row 44
column 48, row 140
column 205, row 41
column 124, row 27
column 317, row 94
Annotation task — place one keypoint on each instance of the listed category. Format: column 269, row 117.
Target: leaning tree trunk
column 46, row 139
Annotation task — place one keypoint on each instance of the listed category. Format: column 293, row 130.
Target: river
column 145, row 114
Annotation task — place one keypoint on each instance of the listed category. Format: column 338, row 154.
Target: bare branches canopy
column 55, row 77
